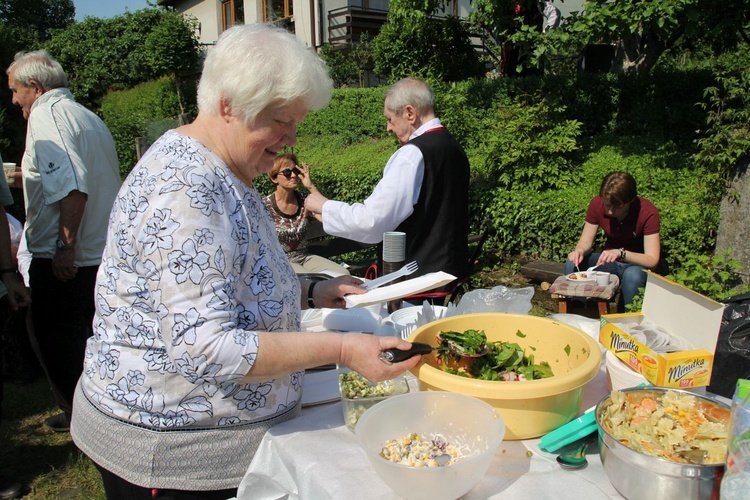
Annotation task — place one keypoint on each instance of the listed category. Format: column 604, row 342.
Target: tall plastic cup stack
column 394, row 247
column 394, row 258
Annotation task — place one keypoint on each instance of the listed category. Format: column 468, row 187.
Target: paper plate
column 621, row 376
column 582, row 277
column 311, row 318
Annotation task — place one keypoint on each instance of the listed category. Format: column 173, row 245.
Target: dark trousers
column 3, row 320
column 117, row 488
column 61, row 315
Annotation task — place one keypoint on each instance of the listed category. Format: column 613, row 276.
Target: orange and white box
column 691, row 318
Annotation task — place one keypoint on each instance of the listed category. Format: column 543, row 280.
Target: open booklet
column 401, row 289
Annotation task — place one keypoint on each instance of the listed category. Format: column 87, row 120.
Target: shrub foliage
column 146, row 110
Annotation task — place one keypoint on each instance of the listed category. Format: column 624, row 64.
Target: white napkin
column 399, row 290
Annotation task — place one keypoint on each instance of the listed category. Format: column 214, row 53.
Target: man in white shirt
column 551, row 15
column 70, row 180
column 423, row 191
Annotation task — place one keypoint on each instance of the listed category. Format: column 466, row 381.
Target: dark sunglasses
column 287, row 172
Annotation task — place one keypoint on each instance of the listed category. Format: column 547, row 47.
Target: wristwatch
column 61, row 245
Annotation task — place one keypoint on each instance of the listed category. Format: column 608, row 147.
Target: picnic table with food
column 503, row 405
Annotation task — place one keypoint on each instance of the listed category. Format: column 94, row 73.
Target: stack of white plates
column 620, row 375
column 321, row 385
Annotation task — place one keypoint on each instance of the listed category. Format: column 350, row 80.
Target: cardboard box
column 686, row 315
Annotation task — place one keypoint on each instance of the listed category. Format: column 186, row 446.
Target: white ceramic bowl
column 455, row 416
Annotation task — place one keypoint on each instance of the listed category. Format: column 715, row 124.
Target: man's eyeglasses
column 287, row 172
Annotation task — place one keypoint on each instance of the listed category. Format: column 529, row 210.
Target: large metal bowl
column 639, row 476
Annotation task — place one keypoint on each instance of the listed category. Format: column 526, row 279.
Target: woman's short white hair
column 40, row 67
column 256, row 66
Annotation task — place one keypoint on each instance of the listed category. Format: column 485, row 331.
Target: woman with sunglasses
column 287, row 208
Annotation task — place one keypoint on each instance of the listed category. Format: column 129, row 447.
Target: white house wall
column 208, row 14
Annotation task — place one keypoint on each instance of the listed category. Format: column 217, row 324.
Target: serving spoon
column 576, row 459
column 442, row 459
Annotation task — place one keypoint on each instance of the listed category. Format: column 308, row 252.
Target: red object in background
column 517, row 9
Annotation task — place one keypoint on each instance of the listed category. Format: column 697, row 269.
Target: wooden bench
column 543, row 270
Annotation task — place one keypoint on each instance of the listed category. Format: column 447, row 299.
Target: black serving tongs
column 394, row 355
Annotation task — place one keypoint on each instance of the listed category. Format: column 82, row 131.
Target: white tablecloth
column 315, row 456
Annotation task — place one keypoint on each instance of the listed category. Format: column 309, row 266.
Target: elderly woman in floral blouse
column 287, row 208
column 196, row 349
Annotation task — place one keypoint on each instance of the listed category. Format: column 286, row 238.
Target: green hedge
column 147, row 110
column 352, row 116
column 538, row 149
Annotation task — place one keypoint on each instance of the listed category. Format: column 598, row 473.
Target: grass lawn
column 47, row 462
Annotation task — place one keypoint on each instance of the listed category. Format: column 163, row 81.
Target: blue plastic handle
column 570, row 432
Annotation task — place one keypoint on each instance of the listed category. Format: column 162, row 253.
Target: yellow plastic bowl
column 530, row 408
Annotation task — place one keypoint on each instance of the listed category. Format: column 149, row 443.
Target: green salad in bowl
column 469, row 354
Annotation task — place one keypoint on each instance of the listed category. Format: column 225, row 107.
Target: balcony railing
column 347, row 24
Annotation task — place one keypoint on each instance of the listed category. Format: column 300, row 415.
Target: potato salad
column 418, row 451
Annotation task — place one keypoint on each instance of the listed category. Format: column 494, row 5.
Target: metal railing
column 347, row 24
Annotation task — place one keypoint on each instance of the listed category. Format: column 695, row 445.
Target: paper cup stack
column 394, row 246
column 621, row 376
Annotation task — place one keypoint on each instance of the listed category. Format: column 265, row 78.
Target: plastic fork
column 408, row 329
column 404, row 271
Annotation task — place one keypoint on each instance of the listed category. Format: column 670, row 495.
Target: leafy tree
column 411, row 43
column 347, row 65
column 34, row 22
column 642, row 30
column 24, row 25
column 727, row 141
column 645, row 29
column 342, row 69
column 122, row 51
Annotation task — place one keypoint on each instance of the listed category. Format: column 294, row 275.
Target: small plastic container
column 359, row 394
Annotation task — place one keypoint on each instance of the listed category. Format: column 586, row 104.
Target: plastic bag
column 732, row 356
column 736, row 481
column 589, row 326
column 497, row 299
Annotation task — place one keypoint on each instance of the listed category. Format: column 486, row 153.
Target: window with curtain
column 277, row 10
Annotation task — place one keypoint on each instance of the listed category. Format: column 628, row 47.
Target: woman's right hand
column 361, row 354
column 304, row 176
column 576, row 256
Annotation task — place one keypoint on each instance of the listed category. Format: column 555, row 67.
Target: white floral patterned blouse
column 191, row 270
